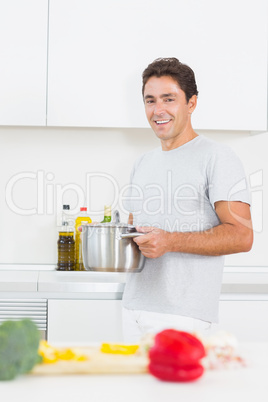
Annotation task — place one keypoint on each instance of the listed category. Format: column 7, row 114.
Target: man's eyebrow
column 168, row 95
column 149, row 97
column 161, row 96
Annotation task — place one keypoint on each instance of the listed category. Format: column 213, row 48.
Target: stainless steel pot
column 109, row 247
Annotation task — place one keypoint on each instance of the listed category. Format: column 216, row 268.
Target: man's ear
column 192, row 103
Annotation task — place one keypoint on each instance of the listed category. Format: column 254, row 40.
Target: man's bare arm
column 234, row 234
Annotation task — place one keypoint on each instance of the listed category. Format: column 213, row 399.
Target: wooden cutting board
column 97, row 363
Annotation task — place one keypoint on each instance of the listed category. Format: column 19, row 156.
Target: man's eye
column 149, row 101
column 169, row 100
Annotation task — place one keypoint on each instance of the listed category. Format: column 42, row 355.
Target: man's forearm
column 233, row 235
column 220, row 240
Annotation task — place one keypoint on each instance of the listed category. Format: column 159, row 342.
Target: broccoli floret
column 19, row 343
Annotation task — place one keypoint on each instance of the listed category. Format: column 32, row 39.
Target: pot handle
column 130, row 235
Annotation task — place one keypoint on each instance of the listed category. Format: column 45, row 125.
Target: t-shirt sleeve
column 226, row 178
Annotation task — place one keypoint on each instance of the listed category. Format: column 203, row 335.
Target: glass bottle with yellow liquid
column 65, row 242
column 66, row 260
column 82, row 218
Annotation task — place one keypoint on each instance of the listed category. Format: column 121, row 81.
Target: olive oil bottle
column 66, row 243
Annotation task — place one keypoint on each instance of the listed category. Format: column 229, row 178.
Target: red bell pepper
column 176, row 347
column 176, row 373
column 175, row 356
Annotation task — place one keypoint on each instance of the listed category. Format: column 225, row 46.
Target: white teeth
column 162, row 121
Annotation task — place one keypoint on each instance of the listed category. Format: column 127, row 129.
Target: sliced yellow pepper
column 66, row 354
column 51, row 354
column 47, row 358
column 69, row 354
column 47, row 352
column 119, row 349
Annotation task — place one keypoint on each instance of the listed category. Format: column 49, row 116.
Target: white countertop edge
column 52, row 267
column 27, row 267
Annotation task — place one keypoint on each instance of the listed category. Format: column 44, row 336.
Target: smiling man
column 190, row 198
column 168, row 111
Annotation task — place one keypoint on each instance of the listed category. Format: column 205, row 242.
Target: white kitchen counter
column 43, row 280
column 47, row 283
column 18, row 281
column 232, row 385
column 44, row 294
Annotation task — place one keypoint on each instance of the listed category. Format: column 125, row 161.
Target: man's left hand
column 154, row 243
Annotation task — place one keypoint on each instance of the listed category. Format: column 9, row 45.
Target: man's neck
column 172, row 143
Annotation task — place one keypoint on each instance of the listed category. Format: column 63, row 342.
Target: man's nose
column 159, row 108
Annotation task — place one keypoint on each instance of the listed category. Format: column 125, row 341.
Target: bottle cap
column 83, row 209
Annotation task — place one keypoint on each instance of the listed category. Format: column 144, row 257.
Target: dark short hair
column 173, row 68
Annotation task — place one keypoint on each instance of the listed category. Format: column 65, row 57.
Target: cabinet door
column 23, row 66
column 98, row 50
column 84, row 321
column 246, row 319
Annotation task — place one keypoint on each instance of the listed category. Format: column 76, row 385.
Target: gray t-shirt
column 176, row 191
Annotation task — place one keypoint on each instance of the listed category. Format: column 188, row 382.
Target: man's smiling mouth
column 162, row 121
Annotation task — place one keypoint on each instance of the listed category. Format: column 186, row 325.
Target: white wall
column 63, row 157
column 37, row 164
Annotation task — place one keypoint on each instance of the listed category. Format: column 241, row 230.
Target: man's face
column 166, row 108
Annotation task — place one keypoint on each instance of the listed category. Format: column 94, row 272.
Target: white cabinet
column 96, row 321
column 98, row 50
column 84, row 321
column 23, row 66
column 246, row 317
